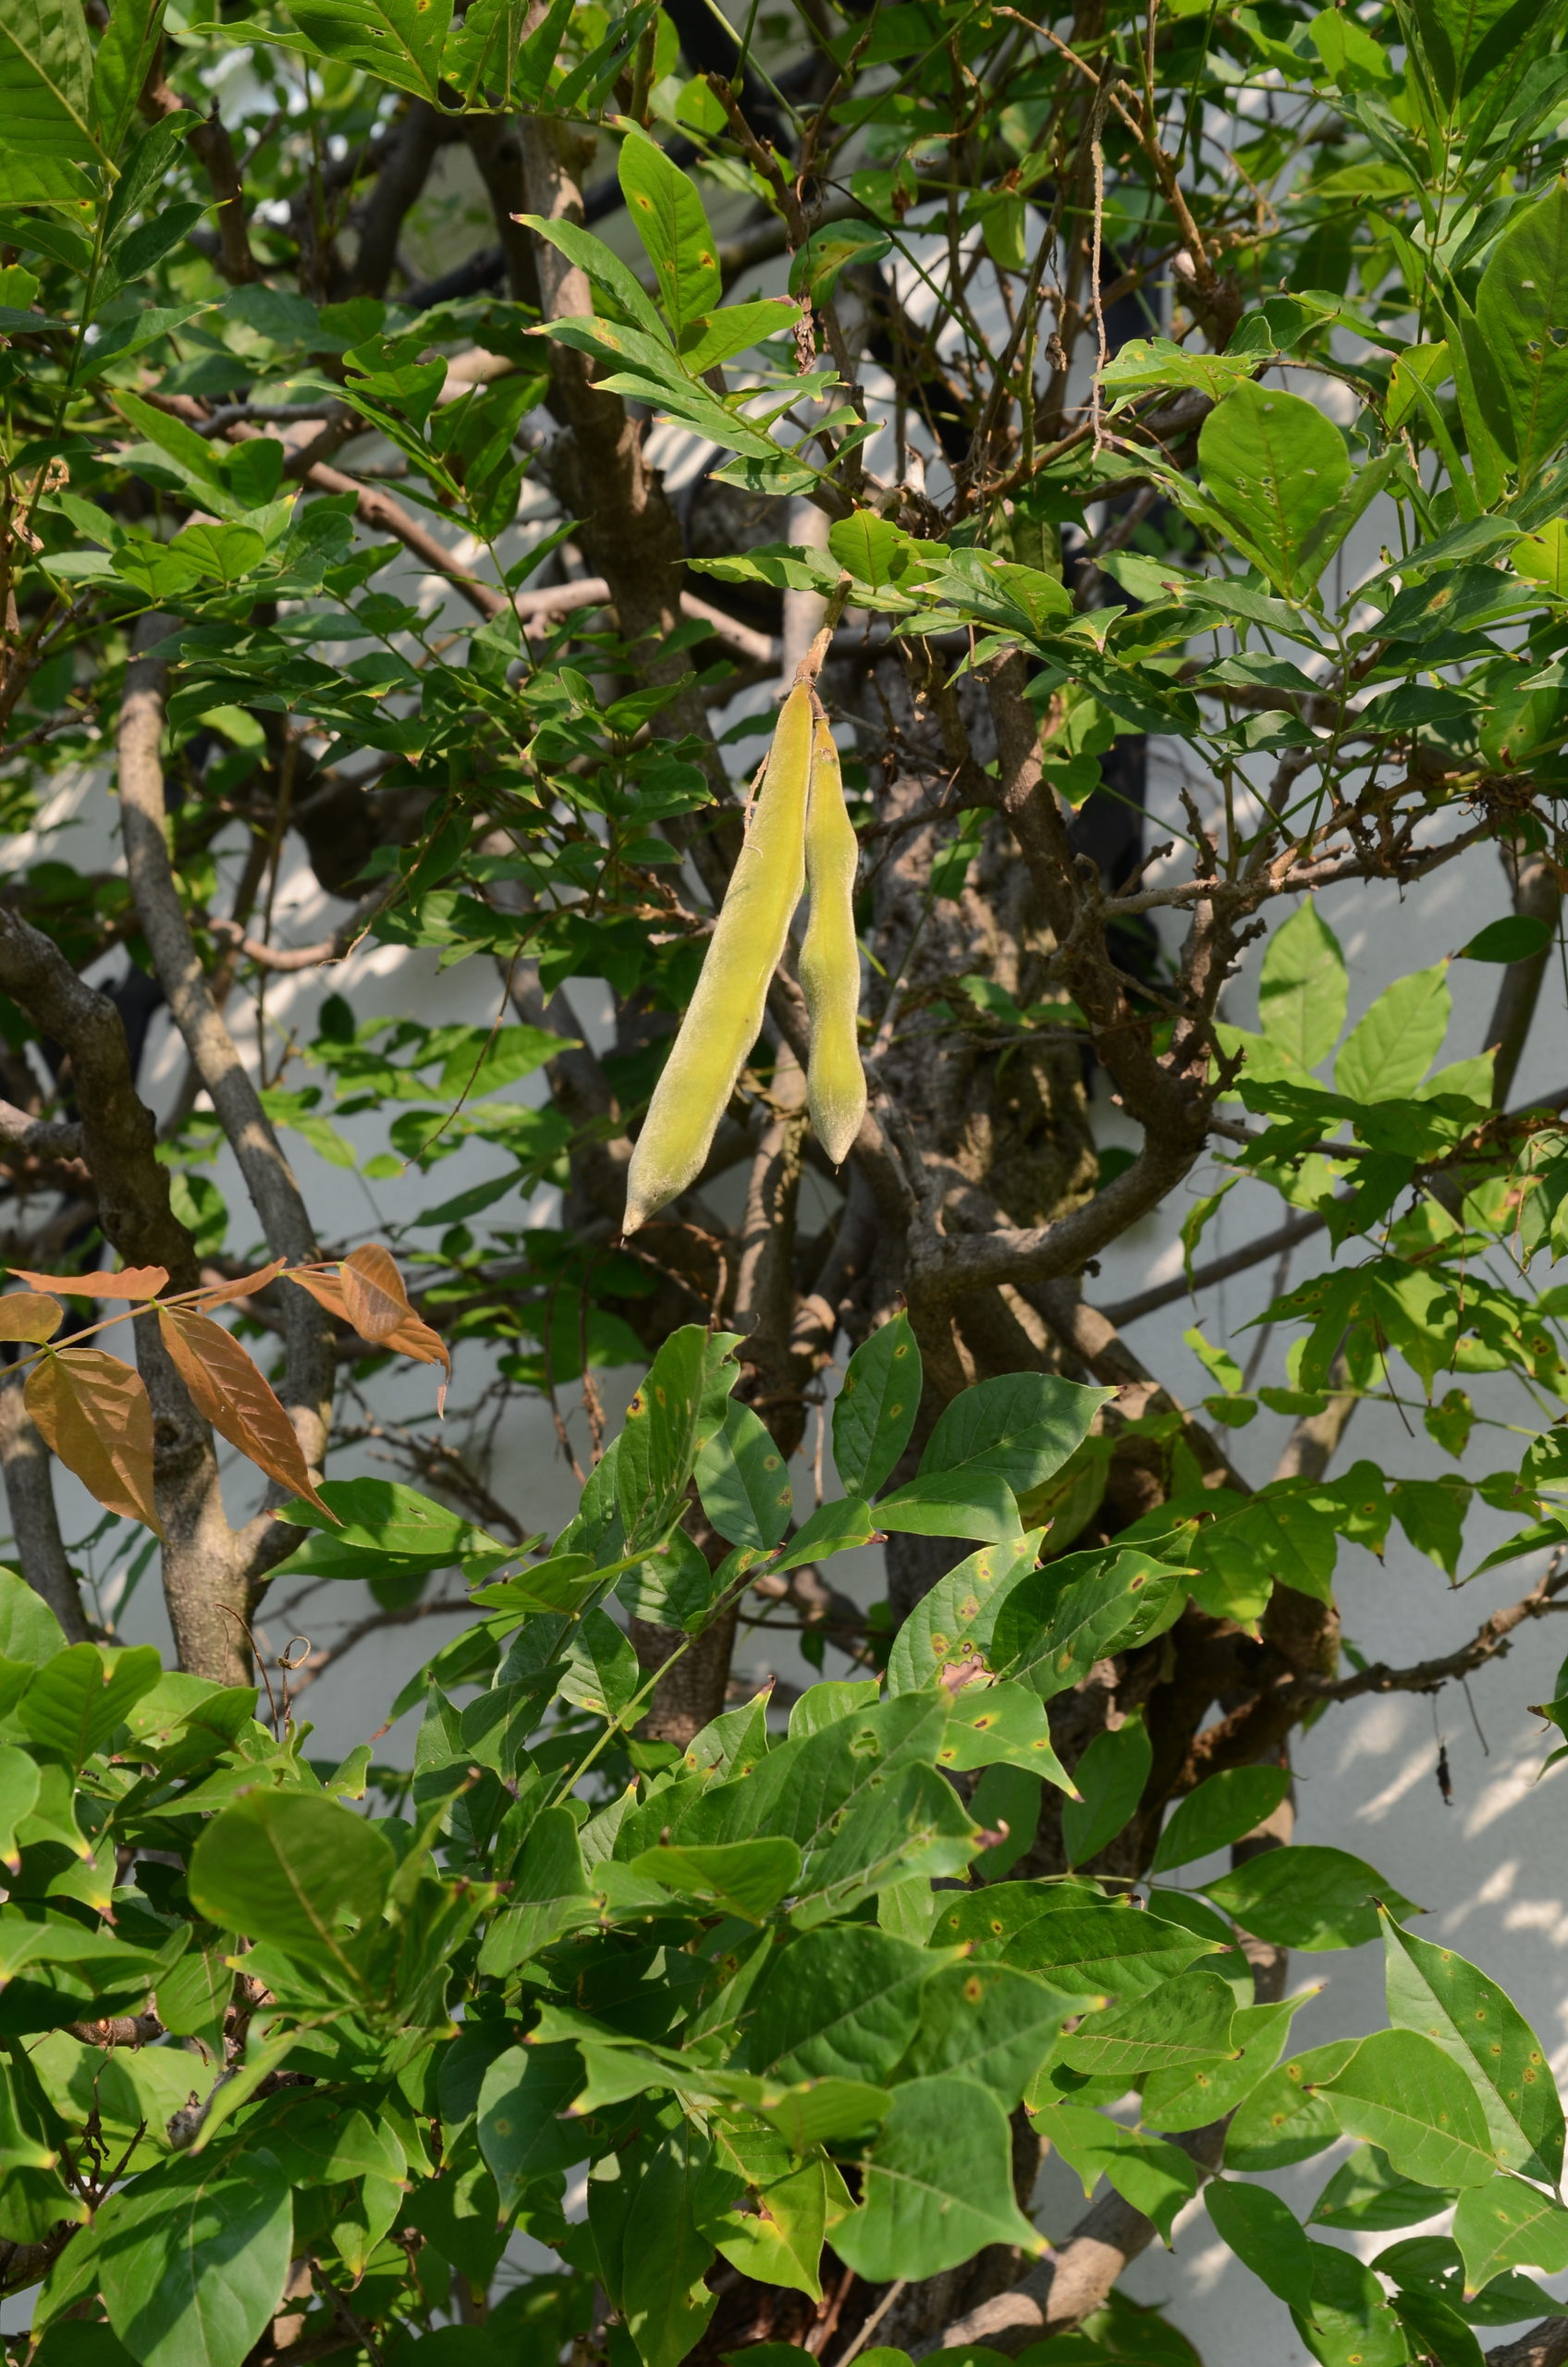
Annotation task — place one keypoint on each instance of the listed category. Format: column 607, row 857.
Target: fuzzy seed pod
column 724, row 1018
column 830, row 957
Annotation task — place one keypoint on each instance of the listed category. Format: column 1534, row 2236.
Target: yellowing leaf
column 92, row 1410
column 132, row 1282
column 27, row 1315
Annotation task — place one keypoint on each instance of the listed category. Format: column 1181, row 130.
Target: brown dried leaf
column 373, row 1291
column 27, row 1316
column 229, row 1388
column 94, row 1411
column 322, row 1288
column 243, row 1285
column 133, row 1283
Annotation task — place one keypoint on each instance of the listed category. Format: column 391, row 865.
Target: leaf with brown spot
column 26, row 1314
column 132, row 1281
column 92, row 1410
column 373, row 1291
column 228, row 1387
column 243, row 1285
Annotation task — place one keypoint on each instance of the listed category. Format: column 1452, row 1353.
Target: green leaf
column 1521, row 307
column 1183, row 2021
column 382, row 1516
column 678, row 2206
column 1432, row 1989
column 677, row 1409
column 1506, row 2224
column 28, row 1629
column 1516, row 937
column 120, row 67
column 668, row 216
column 1305, row 1896
column 1302, row 988
column 835, row 1528
column 814, row 268
column 1021, row 1427
column 294, row 1869
column 953, row 1625
column 19, row 1781
column 874, row 1412
column 46, row 75
column 1155, row 2178
column 1274, row 467
column 1390, row 1050
column 938, row 2185
column 952, row 1504
column 1440, row 2333
column 743, row 1481
column 1196, row 2097
column 76, row 1700
column 1002, row 1726
column 397, row 41
column 780, row 2242
column 602, row 1674
column 1266, row 2237
column 1110, row 1776
column 523, row 2132
column 744, row 1878
column 842, row 2002
column 1351, row 2324
column 1063, row 1617
column 1112, row 1949
column 1367, row 2193
column 1401, row 2093
column 1219, row 1812
column 1287, row 2118
column 192, row 2260
column 988, row 2021
column 551, row 1895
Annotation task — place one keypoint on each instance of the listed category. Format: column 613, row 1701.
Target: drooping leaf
column 676, row 1410
column 94, row 1411
column 1155, row 2178
column 228, row 1388
column 1110, row 1776
column 937, row 2184
column 745, row 1878
column 1286, row 2118
column 372, row 1290
column 135, row 1283
column 1520, row 309
column 45, row 72
column 953, row 1625
column 399, row 40
column 1067, row 1615
column 1266, row 2237
column 550, row 1894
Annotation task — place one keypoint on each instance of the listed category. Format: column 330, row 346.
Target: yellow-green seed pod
column 724, row 1018
column 830, row 958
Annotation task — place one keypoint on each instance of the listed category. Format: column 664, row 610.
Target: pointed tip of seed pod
column 836, row 1128
column 636, row 1216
